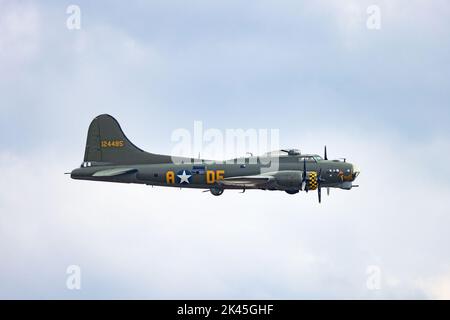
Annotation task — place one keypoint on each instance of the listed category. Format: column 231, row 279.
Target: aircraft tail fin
column 106, row 143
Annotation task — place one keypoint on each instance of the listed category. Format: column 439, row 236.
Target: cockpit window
column 314, row 158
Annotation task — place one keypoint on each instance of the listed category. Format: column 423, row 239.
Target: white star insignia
column 184, row 177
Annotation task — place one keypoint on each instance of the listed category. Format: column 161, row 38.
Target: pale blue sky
column 308, row 68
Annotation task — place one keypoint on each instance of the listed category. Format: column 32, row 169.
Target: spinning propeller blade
column 319, row 187
column 304, row 179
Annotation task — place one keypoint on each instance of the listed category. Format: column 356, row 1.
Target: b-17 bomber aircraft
column 110, row 156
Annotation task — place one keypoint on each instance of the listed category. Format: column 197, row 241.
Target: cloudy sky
column 311, row 69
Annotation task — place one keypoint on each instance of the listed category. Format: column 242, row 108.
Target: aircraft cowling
column 312, row 180
column 288, row 179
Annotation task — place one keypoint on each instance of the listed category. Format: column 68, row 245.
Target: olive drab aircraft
column 110, row 156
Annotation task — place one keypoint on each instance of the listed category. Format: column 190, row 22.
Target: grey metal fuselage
column 110, row 156
column 287, row 171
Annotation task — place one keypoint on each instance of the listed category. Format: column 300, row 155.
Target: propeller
column 319, row 187
column 325, row 157
column 319, row 193
column 304, row 184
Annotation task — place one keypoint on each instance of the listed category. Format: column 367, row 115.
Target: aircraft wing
column 247, row 181
column 114, row 172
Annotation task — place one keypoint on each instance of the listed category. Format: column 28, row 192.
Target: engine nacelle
column 346, row 185
column 288, row 179
column 293, row 179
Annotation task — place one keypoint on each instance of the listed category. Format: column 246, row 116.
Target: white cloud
column 436, row 287
column 20, row 27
